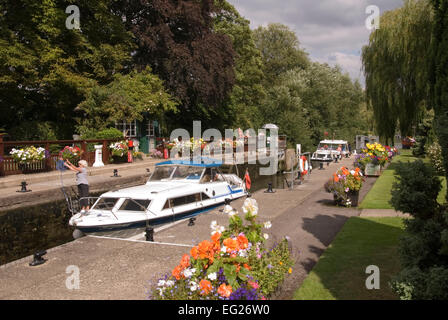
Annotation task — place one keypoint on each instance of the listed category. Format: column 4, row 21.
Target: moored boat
column 176, row 188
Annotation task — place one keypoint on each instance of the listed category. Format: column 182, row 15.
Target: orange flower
column 225, row 290
column 243, row 243
column 177, row 272
column 205, row 287
column 238, row 268
column 194, row 252
column 231, row 244
column 335, row 177
column 185, row 261
column 246, row 266
column 216, row 236
column 204, row 249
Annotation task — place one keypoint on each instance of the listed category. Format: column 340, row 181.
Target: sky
column 331, row 31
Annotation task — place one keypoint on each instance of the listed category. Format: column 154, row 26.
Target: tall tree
column 280, row 50
column 248, row 92
column 439, row 75
column 177, row 40
column 396, row 67
column 45, row 67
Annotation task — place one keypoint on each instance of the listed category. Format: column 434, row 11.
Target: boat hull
column 153, row 220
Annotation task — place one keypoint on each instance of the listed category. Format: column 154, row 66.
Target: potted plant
column 375, row 157
column 345, row 186
column 73, row 154
column 30, row 159
column 119, row 151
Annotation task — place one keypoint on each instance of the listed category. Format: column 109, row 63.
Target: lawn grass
column 340, row 273
column 380, row 194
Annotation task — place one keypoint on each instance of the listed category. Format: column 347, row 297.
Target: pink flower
column 253, row 284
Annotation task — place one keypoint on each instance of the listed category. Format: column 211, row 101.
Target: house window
column 151, row 129
column 129, row 129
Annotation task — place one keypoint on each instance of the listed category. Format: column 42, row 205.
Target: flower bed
column 30, row 159
column 345, row 186
column 232, row 265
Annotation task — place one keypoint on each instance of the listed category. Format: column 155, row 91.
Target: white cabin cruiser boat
column 327, row 150
column 176, row 188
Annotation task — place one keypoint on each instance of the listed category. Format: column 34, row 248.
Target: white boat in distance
column 176, row 189
column 327, row 150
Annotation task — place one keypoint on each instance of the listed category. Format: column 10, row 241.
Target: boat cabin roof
column 333, row 142
column 205, row 163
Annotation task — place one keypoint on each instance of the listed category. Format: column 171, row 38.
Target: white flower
column 188, row 273
column 228, row 209
column 250, row 205
column 224, row 249
column 193, row 286
column 216, row 228
column 267, row 225
column 161, row 283
column 170, row 283
column 266, row 236
column 352, row 172
column 212, row 276
column 243, row 253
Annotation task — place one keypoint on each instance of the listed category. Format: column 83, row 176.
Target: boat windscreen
column 135, row 205
column 105, row 203
column 189, row 173
column 161, row 173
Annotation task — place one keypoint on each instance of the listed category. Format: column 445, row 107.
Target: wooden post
column 2, row 155
column 47, row 160
column 84, row 150
column 105, row 152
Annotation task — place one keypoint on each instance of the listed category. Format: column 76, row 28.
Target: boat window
column 186, row 172
column 135, row 205
column 181, row 201
column 204, row 196
column 105, row 203
column 161, row 173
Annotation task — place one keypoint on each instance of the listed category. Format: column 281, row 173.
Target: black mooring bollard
column 115, row 174
column 269, row 190
column 23, row 185
column 37, row 258
column 149, row 234
column 191, row 222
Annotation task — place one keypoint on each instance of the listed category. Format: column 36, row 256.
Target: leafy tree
column 280, row 51
column 177, row 40
column 248, row 92
column 439, row 76
column 127, row 98
column 396, row 67
column 45, row 68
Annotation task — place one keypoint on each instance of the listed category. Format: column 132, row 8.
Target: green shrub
column 109, row 133
column 434, row 153
column 416, row 189
column 424, row 247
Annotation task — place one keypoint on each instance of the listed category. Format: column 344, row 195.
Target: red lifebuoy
column 303, row 165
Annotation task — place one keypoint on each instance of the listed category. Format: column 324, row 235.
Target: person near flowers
column 81, row 181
